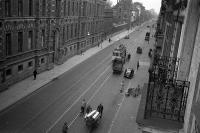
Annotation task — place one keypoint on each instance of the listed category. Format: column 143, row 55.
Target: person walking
column 100, row 109
column 138, row 65
column 83, row 106
column 109, row 40
column 35, row 74
column 122, row 86
column 88, row 109
column 65, row 128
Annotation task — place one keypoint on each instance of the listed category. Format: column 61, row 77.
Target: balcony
column 181, row 5
column 163, row 102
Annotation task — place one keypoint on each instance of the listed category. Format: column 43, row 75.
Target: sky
column 149, row 4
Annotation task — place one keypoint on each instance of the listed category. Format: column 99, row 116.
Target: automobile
column 147, row 36
column 139, row 50
column 128, row 73
column 126, row 37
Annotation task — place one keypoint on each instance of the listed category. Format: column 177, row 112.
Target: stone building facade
column 122, row 11
column 36, row 34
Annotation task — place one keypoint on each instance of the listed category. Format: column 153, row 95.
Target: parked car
column 147, row 36
column 128, row 73
column 139, row 50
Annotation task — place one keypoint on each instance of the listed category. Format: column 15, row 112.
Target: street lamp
column 88, row 34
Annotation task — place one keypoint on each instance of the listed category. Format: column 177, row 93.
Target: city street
column 45, row 110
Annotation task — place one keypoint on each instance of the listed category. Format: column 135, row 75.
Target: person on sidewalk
column 109, row 40
column 138, row 65
column 65, row 128
column 83, row 106
column 35, row 74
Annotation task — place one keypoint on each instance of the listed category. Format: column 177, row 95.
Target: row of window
column 71, row 8
column 20, row 42
column 73, row 28
column 20, row 7
column 20, row 67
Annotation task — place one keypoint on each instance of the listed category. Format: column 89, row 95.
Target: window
column 57, row 8
column 79, row 8
column 43, row 38
column 1, row 41
column 43, row 7
column 84, row 8
column 8, row 72
column 30, row 40
column 8, row 44
column 76, row 25
column 30, row 63
column 7, row 8
column 67, row 36
column 65, row 8
column 20, row 7
column 30, row 7
column 1, row 24
column 63, row 35
column 42, row 61
column 72, row 30
column 68, row 8
column 20, row 68
column 20, row 41
column 73, row 8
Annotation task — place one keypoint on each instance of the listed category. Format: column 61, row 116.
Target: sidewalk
column 27, row 86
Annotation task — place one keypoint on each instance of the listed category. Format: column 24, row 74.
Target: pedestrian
column 138, row 65
column 122, row 86
column 65, row 128
column 35, row 74
column 100, row 109
column 88, row 109
column 83, row 106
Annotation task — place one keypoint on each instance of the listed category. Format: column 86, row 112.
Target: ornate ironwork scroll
column 166, row 96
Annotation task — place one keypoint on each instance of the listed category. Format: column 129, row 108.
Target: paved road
column 46, row 109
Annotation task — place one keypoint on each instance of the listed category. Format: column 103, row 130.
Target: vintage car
column 128, row 73
column 139, row 50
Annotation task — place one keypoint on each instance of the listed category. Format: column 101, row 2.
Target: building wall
column 193, row 75
column 187, row 39
column 60, row 29
column 122, row 11
column 108, row 21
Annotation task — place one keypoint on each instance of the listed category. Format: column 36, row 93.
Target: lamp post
column 88, row 34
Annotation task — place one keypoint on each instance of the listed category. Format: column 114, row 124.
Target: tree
column 108, row 4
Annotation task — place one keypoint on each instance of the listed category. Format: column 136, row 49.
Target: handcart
column 92, row 119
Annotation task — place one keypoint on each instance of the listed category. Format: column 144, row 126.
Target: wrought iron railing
column 166, row 96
